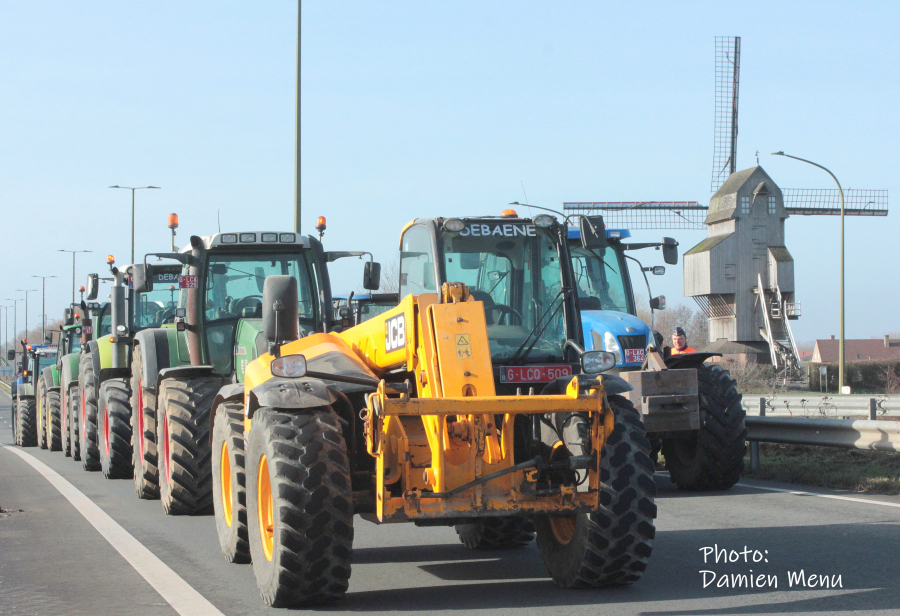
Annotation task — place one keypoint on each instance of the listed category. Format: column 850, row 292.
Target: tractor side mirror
column 670, row 251
column 593, row 232
column 48, row 338
column 658, row 302
column 11, row 355
column 142, row 278
column 68, row 317
column 372, row 276
column 658, row 270
column 93, row 287
column 281, row 310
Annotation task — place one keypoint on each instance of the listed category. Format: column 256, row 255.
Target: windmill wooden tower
column 742, row 274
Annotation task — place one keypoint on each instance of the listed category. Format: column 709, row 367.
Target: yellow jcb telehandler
column 399, row 420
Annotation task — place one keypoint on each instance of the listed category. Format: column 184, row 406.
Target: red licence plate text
column 633, row 355
column 533, row 374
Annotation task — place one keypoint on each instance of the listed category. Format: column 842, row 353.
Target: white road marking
column 799, row 493
column 178, row 593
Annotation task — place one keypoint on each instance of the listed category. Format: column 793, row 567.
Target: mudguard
column 286, row 393
column 183, row 372
column 69, row 372
column 688, row 360
column 47, row 375
column 154, row 345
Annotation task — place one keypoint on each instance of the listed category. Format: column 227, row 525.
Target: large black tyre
column 87, row 428
column 54, row 425
column 114, row 429
column 496, row 533
column 711, row 458
column 13, row 422
column 40, row 397
column 26, row 422
column 229, row 484
column 65, row 430
column 185, row 478
column 299, row 506
column 73, row 410
column 143, row 434
column 612, row 546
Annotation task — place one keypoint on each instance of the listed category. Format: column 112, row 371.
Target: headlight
column 289, row 366
column 593, row 362
column 454, row 224
column 611, row 344
column 544, row 220
column 121, row 329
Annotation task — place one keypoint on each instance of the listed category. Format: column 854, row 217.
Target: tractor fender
column 69, row 373
column 183, row 372
column 284, row 393
column 154, row 345
column 233, row 392
column 688, row 360
column 47, row 375
column 94, row 350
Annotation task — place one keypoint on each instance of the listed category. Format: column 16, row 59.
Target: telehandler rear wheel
column 496, row 533
column 54, row 425
column 73, row 408
column 612, row 546
column 114, row 427
column 299, row 506
column 712, row 458
column 229, row 486
column 185, row 478
column 143, row 435
column 25, row 424
column 87, row 428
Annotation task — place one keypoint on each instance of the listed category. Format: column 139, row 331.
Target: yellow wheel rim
column 225, row 469
column 564, row 528
column 265, row 508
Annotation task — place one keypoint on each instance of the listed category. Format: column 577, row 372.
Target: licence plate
column 633, row 355
column 533, row 374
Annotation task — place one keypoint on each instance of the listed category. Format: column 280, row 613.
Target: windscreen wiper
column 540, row 321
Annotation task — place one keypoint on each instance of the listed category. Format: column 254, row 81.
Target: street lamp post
column 26, row 292
column 74, row 252
column 841, row 191
column 43, row 304
column 132, row 189
column 15, row 318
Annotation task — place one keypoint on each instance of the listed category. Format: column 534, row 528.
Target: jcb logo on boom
column 395, row 333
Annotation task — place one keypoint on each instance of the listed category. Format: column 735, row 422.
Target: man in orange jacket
column 679, row 342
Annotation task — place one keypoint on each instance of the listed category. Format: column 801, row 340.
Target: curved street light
column 841, row 191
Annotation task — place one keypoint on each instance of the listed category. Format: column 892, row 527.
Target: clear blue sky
column 429, row 109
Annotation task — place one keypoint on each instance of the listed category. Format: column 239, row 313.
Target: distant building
column 872, row 349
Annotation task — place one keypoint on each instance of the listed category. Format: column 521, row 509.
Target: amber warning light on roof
column 173, row 221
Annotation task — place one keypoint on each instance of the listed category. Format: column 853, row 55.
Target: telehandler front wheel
column 114, row 427
column 229, row 492
column 612, row 546
column 182, row 423
column 143, row 434
column 87, row 428
column 711, row 458
column 54, row 423
column 496, row 533
column 299, row 506
column 26, row 420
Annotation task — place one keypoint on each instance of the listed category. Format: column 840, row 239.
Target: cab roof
column 250, row 238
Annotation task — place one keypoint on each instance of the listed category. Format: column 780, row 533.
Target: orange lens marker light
column 509, row 212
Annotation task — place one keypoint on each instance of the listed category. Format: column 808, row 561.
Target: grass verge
column 871, row 472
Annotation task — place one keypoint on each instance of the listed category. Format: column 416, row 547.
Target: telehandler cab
column 419, row 415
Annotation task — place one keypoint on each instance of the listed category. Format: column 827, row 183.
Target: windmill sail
column 728, row 71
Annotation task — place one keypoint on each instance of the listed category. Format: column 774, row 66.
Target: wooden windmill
column 742, row 274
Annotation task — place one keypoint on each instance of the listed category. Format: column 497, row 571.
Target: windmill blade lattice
column 728, row 71
column 644, row 214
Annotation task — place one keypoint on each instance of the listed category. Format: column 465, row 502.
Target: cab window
column 416, row 262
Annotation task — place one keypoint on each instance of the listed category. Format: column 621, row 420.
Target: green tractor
column 189, row 376
column 105, row 366
column 35, row 358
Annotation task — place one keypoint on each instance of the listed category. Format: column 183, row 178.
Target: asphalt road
column 53, row 561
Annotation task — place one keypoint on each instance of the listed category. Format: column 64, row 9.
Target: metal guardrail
column 822, row 405
column 848, row 433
